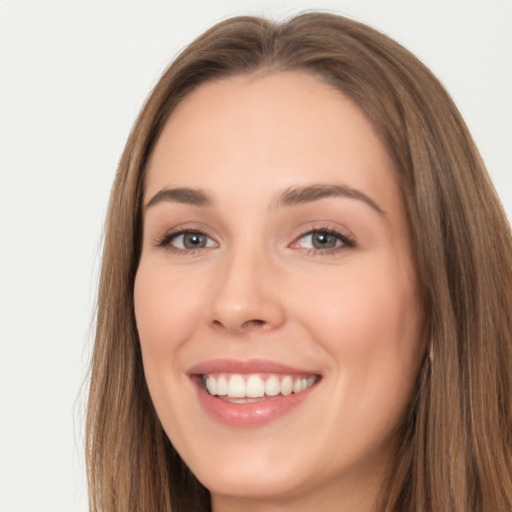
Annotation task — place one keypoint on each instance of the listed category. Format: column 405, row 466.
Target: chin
column 251, row 482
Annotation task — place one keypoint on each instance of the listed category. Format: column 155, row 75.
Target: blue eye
column 323, row 240
column 320, row 240
column 187, row 241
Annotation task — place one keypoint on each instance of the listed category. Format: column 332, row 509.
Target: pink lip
column 250, row 414
column 245, row 367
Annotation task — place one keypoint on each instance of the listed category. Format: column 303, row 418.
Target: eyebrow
column 290, row 197
column 298, row 195
column 191, row 196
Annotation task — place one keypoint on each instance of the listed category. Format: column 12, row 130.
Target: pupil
column 193, row 240
column 324, row 240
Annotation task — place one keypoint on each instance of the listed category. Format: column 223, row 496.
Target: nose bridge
column 245, row 292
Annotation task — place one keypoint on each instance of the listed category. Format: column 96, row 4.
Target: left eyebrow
column 298, row 195
column 183, row 195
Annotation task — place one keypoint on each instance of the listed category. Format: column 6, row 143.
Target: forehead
column 280, row 129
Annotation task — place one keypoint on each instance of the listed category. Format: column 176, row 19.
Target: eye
column 191, row 240
column 320, row 240
column 323, row 240
column 185, row 241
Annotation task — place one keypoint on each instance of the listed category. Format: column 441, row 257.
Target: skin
column 259, row 289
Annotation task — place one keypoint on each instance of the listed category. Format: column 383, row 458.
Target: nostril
column 245, row 326
column 253, row 323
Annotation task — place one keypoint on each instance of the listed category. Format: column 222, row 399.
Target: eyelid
column 164, row 241
column 181, row 235
column 347, row 239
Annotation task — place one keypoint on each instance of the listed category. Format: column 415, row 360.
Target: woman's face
column 276, row 271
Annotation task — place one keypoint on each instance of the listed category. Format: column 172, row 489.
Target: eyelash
column 347, row 242
column 165, row 242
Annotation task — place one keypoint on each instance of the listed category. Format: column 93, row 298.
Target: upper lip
column 249, row 366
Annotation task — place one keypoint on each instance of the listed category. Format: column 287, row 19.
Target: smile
column 239, row 386
column 250, row 393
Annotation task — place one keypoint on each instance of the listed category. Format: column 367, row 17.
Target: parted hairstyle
column 456, row 448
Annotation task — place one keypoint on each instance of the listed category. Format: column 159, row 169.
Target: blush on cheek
column 151, row 314
column 166, row 311
column 368, row 314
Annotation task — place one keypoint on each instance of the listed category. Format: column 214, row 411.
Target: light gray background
column 73, row 75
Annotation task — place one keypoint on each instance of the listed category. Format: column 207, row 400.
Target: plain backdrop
column 73, row 75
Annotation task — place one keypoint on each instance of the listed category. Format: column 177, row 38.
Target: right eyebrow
column 183, row 195
column 293, row 196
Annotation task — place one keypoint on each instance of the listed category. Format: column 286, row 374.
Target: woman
column 305, row 289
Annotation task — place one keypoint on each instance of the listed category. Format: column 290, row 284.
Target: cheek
column 368, row 320
column 167, row 309
column 361, row 302
column 369, row 325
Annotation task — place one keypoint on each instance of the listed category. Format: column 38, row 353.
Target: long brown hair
column 456, row 453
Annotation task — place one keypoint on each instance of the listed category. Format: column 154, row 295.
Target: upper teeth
column 255, row 386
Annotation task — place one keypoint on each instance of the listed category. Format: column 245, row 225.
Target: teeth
column 211, row 385
column 272, row 387
column 287, row 385
column 222, row 386
column 236, row 386
column 254, row 386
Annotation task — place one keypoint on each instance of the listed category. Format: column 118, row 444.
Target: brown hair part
column 456, row 453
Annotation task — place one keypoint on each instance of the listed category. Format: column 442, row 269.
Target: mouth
column 243, row 388
column 250, row 393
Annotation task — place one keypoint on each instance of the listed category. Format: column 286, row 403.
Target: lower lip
column 250, row 414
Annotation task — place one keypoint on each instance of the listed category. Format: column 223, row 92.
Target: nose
column 246, row 294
